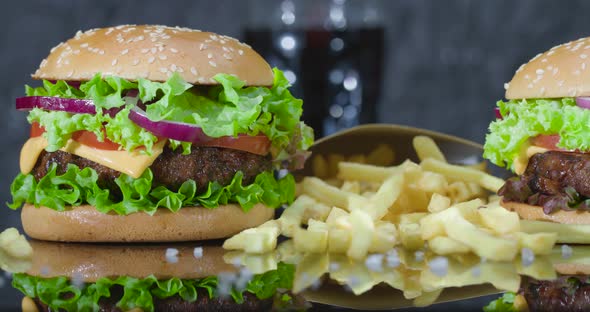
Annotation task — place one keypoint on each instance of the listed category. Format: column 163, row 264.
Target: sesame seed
column 144, row 51
column 76, row 51
column 114, row 62
column 173, row 50
column 208, row 40
column 506, row 85
column 67, row 62
column 124, row 51
column 212, row 64
column 162, row 57
column 84, row 45
column 43, row 63
column 240, row 52
column 160, row 48
column 173, row 67
column 544, row 60
column 151, row 59
column 70, row 73
column 226, row 56
column 202, row 47
column 153, row 50
column 222, row 41
column 214, row 37
column 194, row 71
column 583, row 56
column 101, row 52
column 164, row 69
column 555, row 71
column 527, row 77
column 201, row 80
column 209, row 56
column 225, row 49
column 539, row 71
column 135, row 62
column 179, row 69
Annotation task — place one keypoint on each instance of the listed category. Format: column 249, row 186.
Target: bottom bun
column 529, row 212
column 86, row 224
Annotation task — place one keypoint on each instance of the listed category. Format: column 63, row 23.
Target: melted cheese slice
column 522, row 160
column 133, row 164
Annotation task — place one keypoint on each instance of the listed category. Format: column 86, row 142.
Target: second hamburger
column 543, row 135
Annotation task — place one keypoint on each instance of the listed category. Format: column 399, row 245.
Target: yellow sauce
column 522, row 160
column 132, row 164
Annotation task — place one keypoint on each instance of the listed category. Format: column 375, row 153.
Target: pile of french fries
column 370, row 209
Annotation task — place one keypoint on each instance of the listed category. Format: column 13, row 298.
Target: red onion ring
column 169, row 129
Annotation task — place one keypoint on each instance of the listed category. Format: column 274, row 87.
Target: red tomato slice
column 84, row 137
column 89, row 139
column 548, row 141
column 36, row 130
column 257, row 144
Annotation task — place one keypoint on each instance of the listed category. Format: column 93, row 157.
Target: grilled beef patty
column 554, row 179
column 171, row 168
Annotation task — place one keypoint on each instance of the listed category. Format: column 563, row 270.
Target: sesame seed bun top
column 154, row 53
column 563, row 71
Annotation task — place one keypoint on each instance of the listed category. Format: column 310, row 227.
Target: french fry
column 314, row 239
column 411, row 236
column 333, row 161
column 442, row 245
column 482, row 243
column 327, row 194
column 317, row 211
column 351, row 187
column 384, row 238
column 382, row 155
column 350, row 171
column 319, row 166
column 363, row 229
column 338, row 240
column 426, row 148
column 292, row 216
column 499, row 220
column 485, row 180
column 413, row 217
column 438, row 203
column 254, row 240
column 385, row 196
column 431, row 182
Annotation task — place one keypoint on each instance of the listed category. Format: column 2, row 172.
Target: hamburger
column 154, row 133
column 94, row 277
column 568, row 292
column 542, row 134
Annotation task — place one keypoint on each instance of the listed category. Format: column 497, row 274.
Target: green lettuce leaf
column 78, row 186
column 139, row 293
column 502, row 304
column 524, row 119
column 225, row 110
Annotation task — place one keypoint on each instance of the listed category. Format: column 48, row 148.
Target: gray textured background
column 446, row 61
